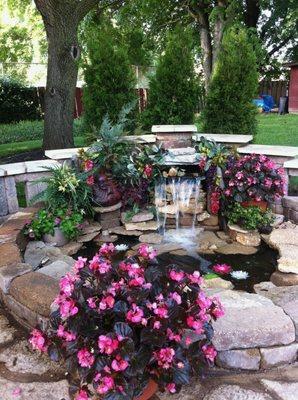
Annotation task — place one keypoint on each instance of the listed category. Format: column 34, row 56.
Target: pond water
column 259, row 266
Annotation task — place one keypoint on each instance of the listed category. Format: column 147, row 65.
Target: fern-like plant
column 65, row 188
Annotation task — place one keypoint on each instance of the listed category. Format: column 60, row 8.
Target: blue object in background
column 266, row 102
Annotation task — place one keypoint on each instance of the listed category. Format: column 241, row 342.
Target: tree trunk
column 63, row 53
column 219, row 25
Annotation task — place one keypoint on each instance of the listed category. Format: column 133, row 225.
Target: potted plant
column 123, row 326
column 55, row 228
column 253, row 179
column 250, row 218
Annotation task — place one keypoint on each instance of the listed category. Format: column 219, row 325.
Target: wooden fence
column 274, row 88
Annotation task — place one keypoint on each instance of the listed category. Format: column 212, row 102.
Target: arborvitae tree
column 109, row 76
column 172, row 91
column 234, row 84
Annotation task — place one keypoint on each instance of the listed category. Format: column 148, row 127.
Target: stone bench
column 27, row 172
column 229, row 140
column 292, row 167
column 279, row 154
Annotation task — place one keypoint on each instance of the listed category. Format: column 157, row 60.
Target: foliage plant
column 45, row 222
column 17, row 101
column 250, row 218
column 253, row 177
column 234, row 84
column 66, row 188
column 109, row 77
column 118, row 324
column 173, row 88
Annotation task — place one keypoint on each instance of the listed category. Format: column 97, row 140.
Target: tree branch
column 280, row 45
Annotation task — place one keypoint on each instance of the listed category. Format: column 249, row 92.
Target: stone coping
column 292, row 167
column 224, row 138
column 173, row 128
column 269, row 150
column 26, row 167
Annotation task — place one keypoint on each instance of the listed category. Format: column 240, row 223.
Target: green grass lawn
column 277, row 129
column 9, row 149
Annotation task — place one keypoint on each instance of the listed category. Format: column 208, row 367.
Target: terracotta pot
column 149, row 391
column 58, row 239
column 262, row 205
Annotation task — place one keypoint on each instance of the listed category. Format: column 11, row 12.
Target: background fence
column 274, row 88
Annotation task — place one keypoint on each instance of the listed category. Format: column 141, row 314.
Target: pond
column 259, row 266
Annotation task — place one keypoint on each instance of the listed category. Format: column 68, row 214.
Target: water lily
column 121, row 247
column 239, row 275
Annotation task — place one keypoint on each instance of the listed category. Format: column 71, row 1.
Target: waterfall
column 179, row 197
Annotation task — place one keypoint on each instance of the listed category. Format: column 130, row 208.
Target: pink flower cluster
column 254, row 177
column 112, row 313
column 222, row 269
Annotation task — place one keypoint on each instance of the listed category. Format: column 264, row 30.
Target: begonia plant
column 120, row 324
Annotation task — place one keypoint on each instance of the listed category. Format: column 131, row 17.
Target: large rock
column 274, row 356
column 151, row 238
column 7, row 332
column 38, row 253
column 9, row 254
column 56, row 270
column 235, row 392
column 10, row 272
column 283, row 390
column 122, row 231
column 287, row 236
column 217, row 283
column 142, row 216
column 248, row 359
column 12, row 390
column 282, row 279
column 22, row 359
column 71, row 248
column 36, row 291
column 287, row 298
column 288, row 261
column 142, row 226
column 207, row 239
column 236, row 248
column 91, row 228
column 251, row 321
column 243, row 236
column 87, row 238
column 107, row 209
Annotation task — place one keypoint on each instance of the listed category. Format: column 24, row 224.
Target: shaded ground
column 25, row 375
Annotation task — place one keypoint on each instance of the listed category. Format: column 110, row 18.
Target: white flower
column 121, row 247
column 239, row 275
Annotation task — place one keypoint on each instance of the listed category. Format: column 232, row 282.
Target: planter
column 58, row 239
column 149, row 391
column 262, row 205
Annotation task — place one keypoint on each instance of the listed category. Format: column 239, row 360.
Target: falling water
column 179, row 196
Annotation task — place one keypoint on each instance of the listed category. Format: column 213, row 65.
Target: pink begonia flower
column 209, row 352
column 148, row 169
column 156, row 325
column 118, row 364
column 147, row 252
column 67, row 307
column 135, row 315
column 222, row 268
column 98, row 265
column 172, row 336
column 165, row 357
column 85, row 358
column 203, row 301
column 107, row 249
column 195, row 324
column 171, row 387
column 90, row 180
column 177, row 275
column 139, row 281
column 217, row 308
column 88, row 165
column 79, row 264
column 106, row 303
column 161, row 311
column 175, row 296
column 38, row 341
column 195, row 277
column 107, row 345
column 91, row 302
column 82, row 395
column 63, row 334
column 66, row 284
column 107, row 383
